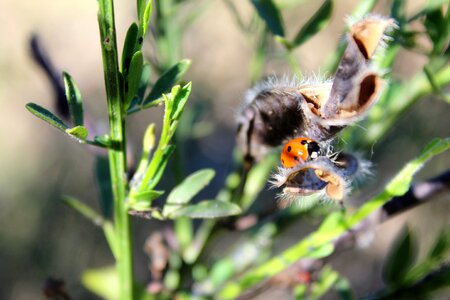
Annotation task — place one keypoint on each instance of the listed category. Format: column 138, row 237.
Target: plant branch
column 117, row 155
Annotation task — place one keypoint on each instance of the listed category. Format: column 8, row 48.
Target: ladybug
column 298, row 151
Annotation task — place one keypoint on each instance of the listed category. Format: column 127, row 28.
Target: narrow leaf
column 269, row 12
column 191, row 186
column 148, row 142
column 322, row 251
column 103, row 282
column 146, row 196
column 84, row 210
column 133, row 77
column 144, row 10
column 46, row 115
column 129, row 47
column 79, row 132
column 441, row 245
column 179, row 100
column 74, row 99
column 167, row 80
column 146, row 17
column 184, row 232
column 207, row 210
column 400, row 260
column 140, row 7
column 104, row 140
column 317, row 22
column 167, row 152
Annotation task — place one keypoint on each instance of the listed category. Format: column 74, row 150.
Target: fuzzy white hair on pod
column 280, row 178
column 304, row 202
column 328, row 163
column 284, row 83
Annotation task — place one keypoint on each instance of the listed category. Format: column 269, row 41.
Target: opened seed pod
column 279, row 109
column 325, row 176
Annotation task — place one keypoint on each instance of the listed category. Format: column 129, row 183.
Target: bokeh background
column 41, row 237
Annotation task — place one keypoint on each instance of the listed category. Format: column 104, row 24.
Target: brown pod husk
column 271, row 116
column 278, row 111
column 324, row 175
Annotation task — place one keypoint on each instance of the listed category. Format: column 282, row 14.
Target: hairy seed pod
column 278, row 110
column 329, row 176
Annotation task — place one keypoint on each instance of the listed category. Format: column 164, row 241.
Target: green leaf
column 321, row 251
column 317, row 22
column 184, row 232
column 47, row 116
column 145, row 15
column 191, row 186
column 140, row 7
column 221, row 271
column 167, row 80
column 180, row 97
column 343, row 289
column 172, row 279
column 398, row 10
column 74, row 99
column 104, row 140
column 79, row 132
column 441, row 245
column 269, row 12
column 133, row 77
column 207, row 210
column 400, row 259
column 327, row 278
column 148, row 142
column 129, row 47
column 167, row 152
column 84, row 210
column 103, row 282
column 146, row 196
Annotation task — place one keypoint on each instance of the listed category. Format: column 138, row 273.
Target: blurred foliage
column 187, row 269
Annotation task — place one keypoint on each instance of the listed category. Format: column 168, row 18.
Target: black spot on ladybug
column 282, row 161
column 314, row 147
column 140, row 40
column 296, row 158
column 304, row 142
column 289, row 149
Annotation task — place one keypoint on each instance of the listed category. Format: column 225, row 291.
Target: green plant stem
column 117, row 154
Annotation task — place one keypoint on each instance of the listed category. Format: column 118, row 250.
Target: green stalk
column 117, row 154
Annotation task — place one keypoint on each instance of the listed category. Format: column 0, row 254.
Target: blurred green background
column 41, row 237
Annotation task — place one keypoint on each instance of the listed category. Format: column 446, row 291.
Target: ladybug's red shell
column 299, row 150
